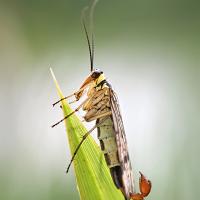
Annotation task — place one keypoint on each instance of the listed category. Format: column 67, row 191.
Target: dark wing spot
column 125, row 159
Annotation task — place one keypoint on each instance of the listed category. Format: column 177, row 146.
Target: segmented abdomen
column 107, row 138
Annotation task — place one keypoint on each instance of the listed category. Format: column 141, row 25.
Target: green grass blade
column 92, row 174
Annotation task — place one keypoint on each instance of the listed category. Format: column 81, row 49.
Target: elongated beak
column 87, row 81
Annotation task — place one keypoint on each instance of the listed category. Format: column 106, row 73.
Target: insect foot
column 145, row 188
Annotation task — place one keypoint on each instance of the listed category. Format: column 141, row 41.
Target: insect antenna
column 92, row 26
column 87, row 37
column 90, row 45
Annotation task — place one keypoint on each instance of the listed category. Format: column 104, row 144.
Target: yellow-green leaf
column 92, row 174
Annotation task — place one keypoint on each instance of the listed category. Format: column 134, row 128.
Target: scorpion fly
column 102, row 105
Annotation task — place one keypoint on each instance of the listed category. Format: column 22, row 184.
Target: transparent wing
column 127, row 176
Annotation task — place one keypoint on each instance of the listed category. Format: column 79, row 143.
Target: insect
column 102, row 105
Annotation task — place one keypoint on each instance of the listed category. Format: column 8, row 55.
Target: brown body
column 102, row 105
column 98, row 107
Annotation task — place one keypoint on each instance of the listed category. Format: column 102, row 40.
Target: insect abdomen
column 108, row 145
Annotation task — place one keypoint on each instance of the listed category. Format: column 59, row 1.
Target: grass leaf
column 92, row 174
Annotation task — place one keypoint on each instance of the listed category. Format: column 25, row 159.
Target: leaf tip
column 52, row 74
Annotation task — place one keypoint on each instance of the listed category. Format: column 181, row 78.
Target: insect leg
column 63, row 99
column 83, row 139
column 99, row 116
column 78, row 108
column 71, row 95
column 94, row 117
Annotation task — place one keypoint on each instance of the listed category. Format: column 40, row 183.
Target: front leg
column 77, row 109
column 79, row 92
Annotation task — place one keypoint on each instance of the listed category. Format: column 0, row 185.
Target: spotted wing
column 126, row 176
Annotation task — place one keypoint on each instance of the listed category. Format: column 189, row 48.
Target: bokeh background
column 149, row 51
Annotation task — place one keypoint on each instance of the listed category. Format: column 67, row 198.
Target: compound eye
column 96, row 73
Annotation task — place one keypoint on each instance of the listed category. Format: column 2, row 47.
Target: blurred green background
column 150, row 52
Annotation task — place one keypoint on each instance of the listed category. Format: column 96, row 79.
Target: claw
column 145, row 188
column 145, row 185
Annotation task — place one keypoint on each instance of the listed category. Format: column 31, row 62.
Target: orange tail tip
column 145, row 185
column 145, row 188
